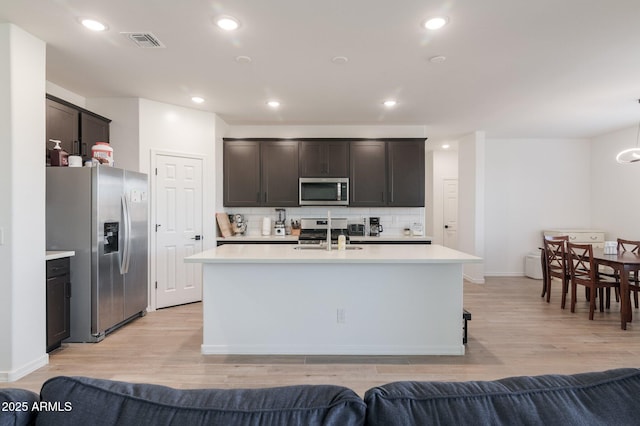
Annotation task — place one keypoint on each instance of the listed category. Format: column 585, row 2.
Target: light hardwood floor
column 513, row 332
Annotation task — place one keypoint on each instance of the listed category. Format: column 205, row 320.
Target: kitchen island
column 367, row 300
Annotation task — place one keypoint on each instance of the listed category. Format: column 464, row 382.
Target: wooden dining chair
column 634, row 284
column 555, row 254
column 584, row 272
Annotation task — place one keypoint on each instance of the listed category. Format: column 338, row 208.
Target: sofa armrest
column 16, row 407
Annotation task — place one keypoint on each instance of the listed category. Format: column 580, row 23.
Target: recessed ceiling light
column 197, row 99
column 243, row 59
column 273, row 104
column 390, row 103
column 437, row 59
column 227, row 23
column 445, row 146
column 339, row 60
column 93, row 25
column 435, row 23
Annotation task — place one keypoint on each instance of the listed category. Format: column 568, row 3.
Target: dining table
column 622, row 262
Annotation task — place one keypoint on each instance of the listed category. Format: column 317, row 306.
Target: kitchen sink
column 319, row 247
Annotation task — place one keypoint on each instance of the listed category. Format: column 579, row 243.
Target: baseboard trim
column 17, row 374
column 473, row 280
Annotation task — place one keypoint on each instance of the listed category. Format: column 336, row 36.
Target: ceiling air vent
column 144, row 40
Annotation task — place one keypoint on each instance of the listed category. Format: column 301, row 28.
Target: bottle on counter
column 58, row 156
column 342, row 242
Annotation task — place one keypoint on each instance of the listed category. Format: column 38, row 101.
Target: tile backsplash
column 393, row 220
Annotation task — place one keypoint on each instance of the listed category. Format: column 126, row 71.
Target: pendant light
column 630, row 155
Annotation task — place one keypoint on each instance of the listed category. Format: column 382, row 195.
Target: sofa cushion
column 608, row 397
column 104, row 402
column 16, row 407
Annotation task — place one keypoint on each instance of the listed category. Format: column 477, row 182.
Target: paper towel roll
column 266, row 226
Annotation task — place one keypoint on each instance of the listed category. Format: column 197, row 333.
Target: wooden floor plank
column 513, row 331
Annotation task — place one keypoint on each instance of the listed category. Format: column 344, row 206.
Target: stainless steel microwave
column 324, row 191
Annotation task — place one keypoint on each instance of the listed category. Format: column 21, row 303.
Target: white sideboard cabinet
column 580, row 236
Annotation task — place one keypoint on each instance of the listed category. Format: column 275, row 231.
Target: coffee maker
column 375, row 228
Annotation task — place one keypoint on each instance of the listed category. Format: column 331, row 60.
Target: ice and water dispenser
column 111, row 237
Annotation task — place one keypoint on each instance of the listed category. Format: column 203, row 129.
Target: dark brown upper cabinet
column 62, row 125
column 260, row 173
column 405, row 174
column 241, row 171
column 77, row 128
column 368, row 174
column 280, row 173
column 92, row 129
column 324, row 158
column 387, row 173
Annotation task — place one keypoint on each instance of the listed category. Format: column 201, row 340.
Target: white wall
column 471, row 206
column 22, row 190
column 170, row 128
column 67, row 95
column 124, row 129
column 532, row 185
column 615, row 203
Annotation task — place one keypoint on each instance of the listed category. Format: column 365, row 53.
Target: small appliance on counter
column 238, row 224
column 375, row 228
column 279, row 227
column 356, row 229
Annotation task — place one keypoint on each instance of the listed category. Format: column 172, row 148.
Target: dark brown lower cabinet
column 58, row 302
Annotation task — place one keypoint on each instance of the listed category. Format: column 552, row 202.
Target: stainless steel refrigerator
column 101, row 214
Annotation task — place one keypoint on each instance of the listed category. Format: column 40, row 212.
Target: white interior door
column 450, row 214
column 178, row 205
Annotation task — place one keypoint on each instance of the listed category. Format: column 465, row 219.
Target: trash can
column 532, row 266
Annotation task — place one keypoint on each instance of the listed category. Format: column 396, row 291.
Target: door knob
column 197, row 238
column 446, row 227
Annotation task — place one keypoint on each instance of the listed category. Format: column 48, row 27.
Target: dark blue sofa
column 599, row 398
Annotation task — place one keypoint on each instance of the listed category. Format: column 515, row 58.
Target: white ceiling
column 514, row 68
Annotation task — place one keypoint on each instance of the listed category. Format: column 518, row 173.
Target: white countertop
column 376, row 253
column 407, row 238
column 51, row 255
column 261, row 238
column 353, row 238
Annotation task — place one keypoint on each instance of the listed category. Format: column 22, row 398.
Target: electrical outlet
column 341, row 316
column 1, row 236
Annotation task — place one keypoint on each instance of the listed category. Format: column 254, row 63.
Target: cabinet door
column 92, row 129
column 58, row 310
column 62, row 124
column 367, row 174
column 280, row 173
column 324, row 159
column 312, row 162
column 405, row 174
column 241, row 174
column 337, row 154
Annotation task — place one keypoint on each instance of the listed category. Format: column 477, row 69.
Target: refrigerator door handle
column 126, row 252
